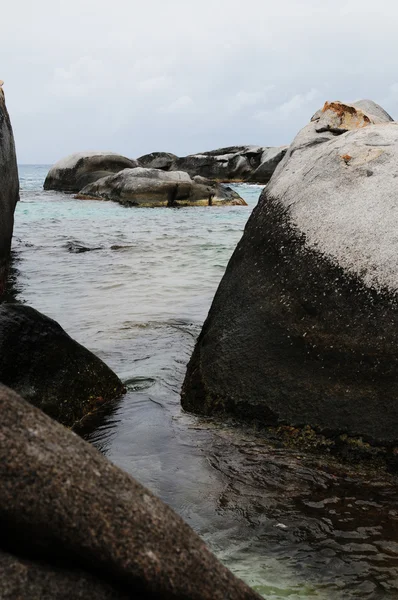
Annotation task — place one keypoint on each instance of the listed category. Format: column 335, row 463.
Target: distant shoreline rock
column 144, row 187
column 317, row 274
column 75, row 171
column 9, row 188
column 232, row 164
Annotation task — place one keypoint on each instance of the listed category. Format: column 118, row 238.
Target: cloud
column 244, row 99
column 181, row 104
column 79, row 79
column 286, row 110
column 140, row 77
column 154, row 84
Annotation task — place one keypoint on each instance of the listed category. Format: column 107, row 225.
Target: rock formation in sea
column 303, row 329
column 235, row 163
column 9, row 188
column 72, row 173
column 254, row 164
column 153, row 187
column 49, row 369
column 73, row 525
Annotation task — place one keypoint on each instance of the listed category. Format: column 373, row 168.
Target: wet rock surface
column 303, row 329
column 9, row 188
column 76, row 247
column 73, row 172
column 41, row 362
column 66, row 510
column 153, row 187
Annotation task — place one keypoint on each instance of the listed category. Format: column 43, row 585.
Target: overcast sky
column 186, row 76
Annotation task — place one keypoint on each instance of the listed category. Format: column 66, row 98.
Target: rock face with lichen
column 9, row 188
column 47, row 367
column 303, row 329
column 75, row 526
column 72, row 173
column 153, row 187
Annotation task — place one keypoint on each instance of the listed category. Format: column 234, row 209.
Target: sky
column 181, row 76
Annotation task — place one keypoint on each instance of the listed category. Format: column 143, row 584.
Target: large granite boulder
column 47, row 367
column 9, row 188
column 72, row 173
column 304, row 326
column 75, row 526
column 153, row 187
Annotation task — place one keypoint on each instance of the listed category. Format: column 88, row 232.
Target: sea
column 134, row 285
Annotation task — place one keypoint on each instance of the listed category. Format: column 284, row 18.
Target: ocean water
column 290, row 525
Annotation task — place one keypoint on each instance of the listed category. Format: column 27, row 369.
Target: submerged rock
column 9, row 188
column 303, row 329
column 71, row 520
column 47, row 367
column 72, row 173
column 76, row 247
column 153, row 187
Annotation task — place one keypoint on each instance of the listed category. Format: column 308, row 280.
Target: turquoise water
column 291, row 527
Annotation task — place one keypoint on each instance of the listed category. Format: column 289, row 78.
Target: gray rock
column 157, row 160
column 371, row 108
column 270, row 159
column 152, row 187
column 230, row 150
column 234, row 163
column 47, row 367
column 9, row 188
column 70, row 519
column 72, row 173
column 304, row 326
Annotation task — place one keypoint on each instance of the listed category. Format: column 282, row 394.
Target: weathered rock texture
column 47, row 367
column 75, row 526
column 72, row 173
column 304, row 326
column 155, row 187
column 235, row 163
column 158, row 160
column 270, row 159
column 9, row 188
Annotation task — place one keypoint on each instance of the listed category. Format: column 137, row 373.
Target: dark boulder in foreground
column 9, row 188
column 303, row 329
column 74, row 525
column 153, row 187
column 234, row 163
column 41, row 362
column 72, row 173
